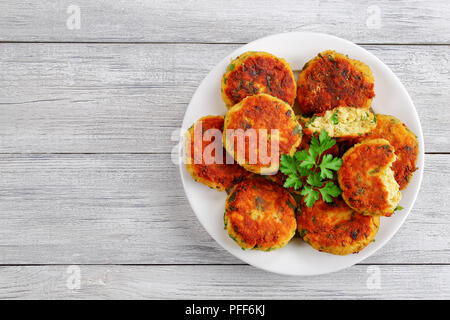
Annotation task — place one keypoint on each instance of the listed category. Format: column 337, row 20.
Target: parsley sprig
column 311, row 170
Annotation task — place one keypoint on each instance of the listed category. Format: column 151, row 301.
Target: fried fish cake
column 404, row 142
column 332, row 80
column 255, row 125
column 336, row 228
column 367, row 180
column 208, row 169
column 258, row 72
column 342, row 122
column 260, row 214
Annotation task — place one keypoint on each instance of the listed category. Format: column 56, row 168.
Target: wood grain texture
column 222, row 282
column 218, row 21
column 90, row 98
column 86, row 119
column 131, row 209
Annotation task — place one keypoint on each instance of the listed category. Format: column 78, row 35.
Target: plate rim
column 420, row 155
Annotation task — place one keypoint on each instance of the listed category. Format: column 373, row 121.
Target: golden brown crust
column 259, row 214
column 332, row 80
column 404, row 142
column 215, row 175
column 336, row 228
column 367, row 182
column 258, row 72
column 261, row 112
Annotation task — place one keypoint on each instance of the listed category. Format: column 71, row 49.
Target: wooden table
column 87, row 188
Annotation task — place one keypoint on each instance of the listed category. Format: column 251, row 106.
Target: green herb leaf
column 330, row 191
column 314, row 144
column 325, row 141
column 307, row 159
column 288, row 165
column 293, row 181
column 304, row 172
column 311, row 164
column 329, row 163
column 314, row 180
column 334, row 118
column 311, row 196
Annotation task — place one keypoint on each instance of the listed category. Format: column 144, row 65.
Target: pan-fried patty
column 336, row 228
column 260, row 214
column 214, row 175
column 332, row 80
column 260, row 118
column 258, row 72
column 404, row 142
column 366, row 179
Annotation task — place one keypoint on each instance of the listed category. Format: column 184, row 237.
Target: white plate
column 298, row 258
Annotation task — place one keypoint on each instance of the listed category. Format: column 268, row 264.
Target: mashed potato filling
column 391, row 186
column 343, row 121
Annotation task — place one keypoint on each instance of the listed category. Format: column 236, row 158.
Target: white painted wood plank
column 129, row 98
column 223, row 282
column 131, row 209
column 215, row 21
